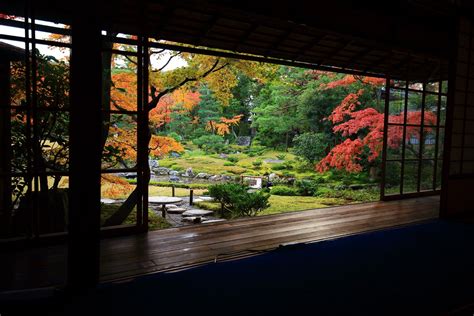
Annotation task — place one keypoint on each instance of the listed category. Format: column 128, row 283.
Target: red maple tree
column 363, row 128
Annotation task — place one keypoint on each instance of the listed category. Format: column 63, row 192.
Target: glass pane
column 53, row 36
column 122, row 83
column 410, row 177
column 53, row 139
column 17, row 208
column 442, row 111
column 17, row 83
column 441, row 143
column 394, row 142
column 444, row 86
column 52, row 83
column 431, row 110
column 415, row 86
column 398, row 83
column 414, row 107
column 429, row 142
column 120, row 151
column 53, row 211
column 396, row 106
column 432, row 86
column 412, row 142
column 20, row 149
column 427, row 174
column 392, row 177
column 115, row 189
column 439, row 174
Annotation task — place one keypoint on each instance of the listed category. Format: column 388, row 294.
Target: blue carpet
column 424, row 269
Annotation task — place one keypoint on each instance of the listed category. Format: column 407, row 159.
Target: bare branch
column 156, row 51
column 130, row 60
column 156, row 97
column 166, row 64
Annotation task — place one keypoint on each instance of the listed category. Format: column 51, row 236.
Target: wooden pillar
column 458, row 164
column 85, row 154
column 5, row 148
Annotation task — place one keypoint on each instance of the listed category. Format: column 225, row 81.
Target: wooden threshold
column 178, row 248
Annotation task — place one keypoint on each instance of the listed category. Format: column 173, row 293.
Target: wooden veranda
column 179, row 248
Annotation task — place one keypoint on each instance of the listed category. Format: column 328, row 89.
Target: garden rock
column 173, row 173
column 206, row 198
column 226, row 178
column 223, row 156
column 272, row 177
column 203, row 175
column 174, row 178
column 176, row 210
column 161, row 171
column 216, row 177
column 197, row 213
column 175, row 154
column 243, row 140
column 189, row 173
column 194, row 219
column 270, row 160
column 153, row 163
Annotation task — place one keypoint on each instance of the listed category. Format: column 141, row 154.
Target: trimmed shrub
column 236, row 201
column 278, row 166
column 257, row 163
column 306, row 187
column 233, row 159
column 283, row 190
column 210, row 143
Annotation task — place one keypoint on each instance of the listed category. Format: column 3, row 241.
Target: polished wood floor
column 178, row 248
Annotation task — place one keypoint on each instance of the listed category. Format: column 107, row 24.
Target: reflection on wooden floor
column 180, row 247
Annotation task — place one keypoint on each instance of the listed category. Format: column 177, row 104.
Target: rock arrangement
column 190, row 215
column 189, row 174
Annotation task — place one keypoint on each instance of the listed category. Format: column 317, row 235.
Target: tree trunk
column 127, row 207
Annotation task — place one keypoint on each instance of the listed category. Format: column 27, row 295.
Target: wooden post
column 85, row 153
column 172, row 191
column 191, row 193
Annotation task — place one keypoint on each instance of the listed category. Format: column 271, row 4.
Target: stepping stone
column 168, row 206
column 108, row 201
column 198, row 200
column 197, row 213
column 213, row 221
column 206, row 198
column 176, row 210
column 194, row 219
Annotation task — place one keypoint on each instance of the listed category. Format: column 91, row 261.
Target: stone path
column 181, row 214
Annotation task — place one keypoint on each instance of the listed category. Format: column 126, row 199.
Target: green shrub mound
column 236, row 201
column 284, row 190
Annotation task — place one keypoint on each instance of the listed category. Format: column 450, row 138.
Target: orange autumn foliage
column 182, row 98
column 223, row 126
column 162, row 145
column 114, row 187
column 351, row 79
